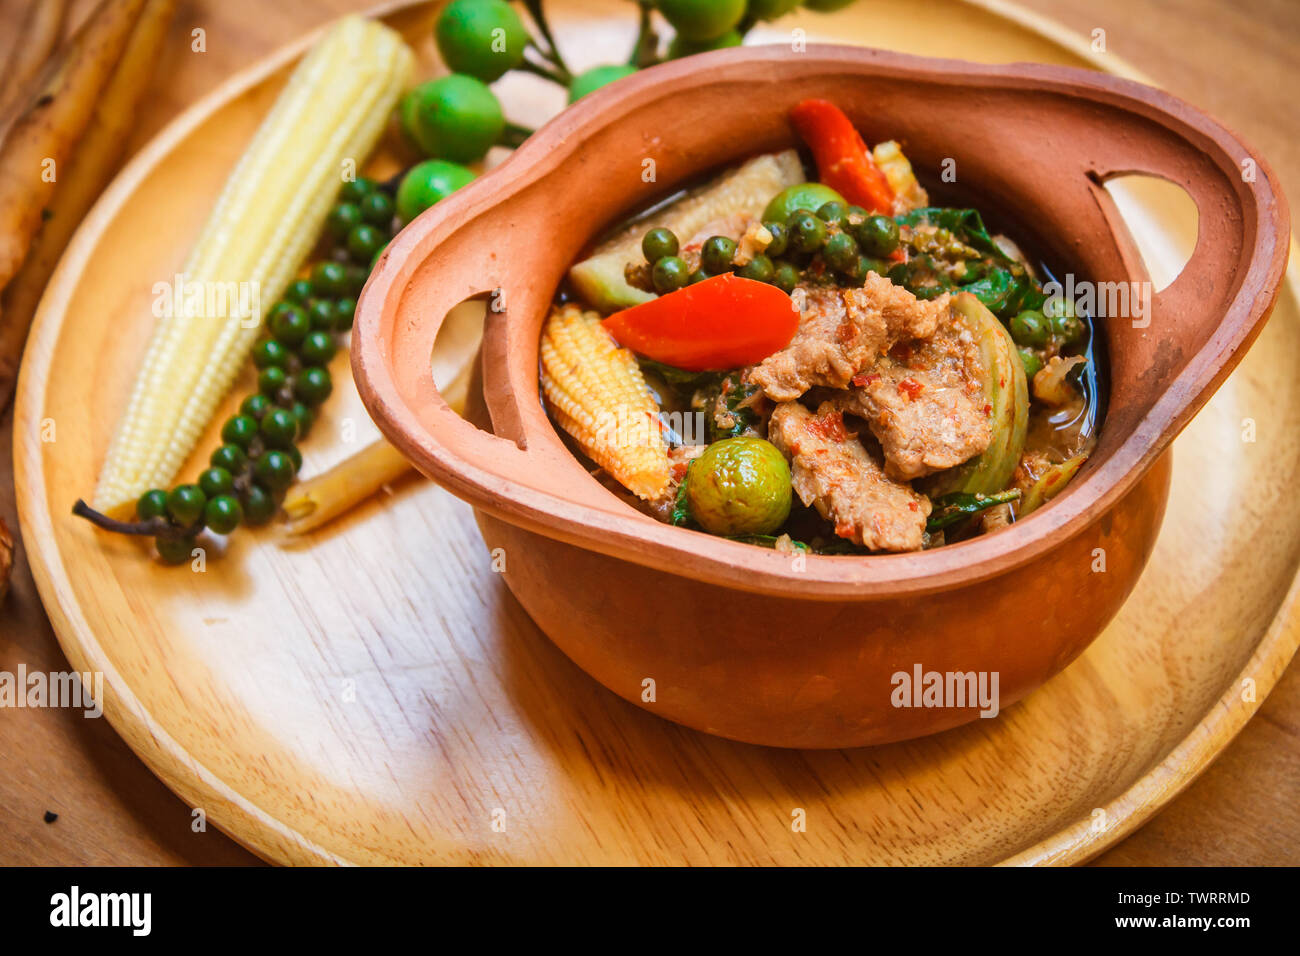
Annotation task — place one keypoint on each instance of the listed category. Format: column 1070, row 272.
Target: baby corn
column 596, row 393
column 265, row 222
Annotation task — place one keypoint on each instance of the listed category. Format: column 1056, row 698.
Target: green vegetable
column 313, row 385
column 483, row 38
column 679, row 47
column 299, row 291
column 595, row 78
column 826, row 6
column 454, row 117
column 364, row 241
column 270, row 352
column 700, row 20
column 344, row 309
column 323, row 315
column 223, row 514
column 426, row 183
column 739, row 486
column 659, row 243
column 1029, row 328
column 378, row 209
column 152, row 504
column 878, row 235
column 230, row 457
column 717, row 254
column 802, row 196
column 759, row 268
column 1031, row 362
column 185, row 504
column 355, row 190
column 271, row 380
column 216, row 481
column 786, row 277
column 841, row 252
column 780, row 237
column 770, row 9
column 340, row 222
column 239, row 430
column 259, row 505
column 279, row 429
column 958, row 506
column 669, row 274
column 328, row 278
column 174, row 551
column 807, row 232
column 274, row 470
column 289, row 324
column 317, row 348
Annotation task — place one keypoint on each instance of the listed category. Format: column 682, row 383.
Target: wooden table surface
column 1237, row 61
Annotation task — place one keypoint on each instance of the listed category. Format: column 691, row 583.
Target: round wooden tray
column 373, row 694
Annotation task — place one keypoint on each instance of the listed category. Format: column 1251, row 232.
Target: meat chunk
column 924, row 401
column 832, row 472
column 841, row 331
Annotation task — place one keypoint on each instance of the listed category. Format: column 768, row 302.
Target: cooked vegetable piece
column 266, row 221
column 1049, row 485
column 843, row 161
column 721, row 323
column 744, row 191
column 1007, row 399
column 1051, row 383
column 958, row 506
column 808, row 197
column 596, row 393
column 739, row 486
column 908, row 193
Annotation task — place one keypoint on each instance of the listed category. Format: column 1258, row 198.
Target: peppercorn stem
column 563, row 79
column 154, row 527
column 514, row 135
column 645, row 51
column 551, row 51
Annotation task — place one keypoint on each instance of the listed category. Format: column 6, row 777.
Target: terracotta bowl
column 744, row 642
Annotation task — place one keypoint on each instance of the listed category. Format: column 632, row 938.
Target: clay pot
column 742, row 641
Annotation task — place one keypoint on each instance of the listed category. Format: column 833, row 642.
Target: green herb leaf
column 959, row 505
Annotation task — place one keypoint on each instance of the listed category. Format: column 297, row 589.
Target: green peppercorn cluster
column 845, row 241
column 258, row 460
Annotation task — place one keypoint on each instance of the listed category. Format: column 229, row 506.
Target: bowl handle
column 1242, row 222
column 422, row 276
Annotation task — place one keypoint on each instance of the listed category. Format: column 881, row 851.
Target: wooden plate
column 373, row 694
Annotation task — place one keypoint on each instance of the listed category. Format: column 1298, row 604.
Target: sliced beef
column 841, row 331
column 925, row 403
column 833, row 472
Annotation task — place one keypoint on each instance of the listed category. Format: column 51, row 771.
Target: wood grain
column 150, row 826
